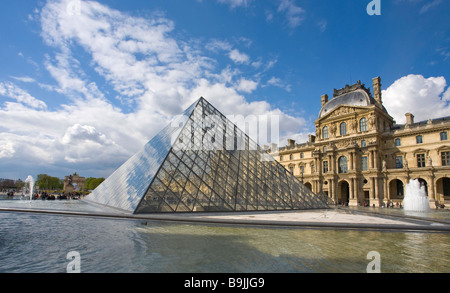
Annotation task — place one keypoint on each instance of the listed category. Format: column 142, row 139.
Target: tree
column 91, row 183
column 20, row 184
column 46, row 182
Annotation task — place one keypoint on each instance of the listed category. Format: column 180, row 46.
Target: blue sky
column 84, row 84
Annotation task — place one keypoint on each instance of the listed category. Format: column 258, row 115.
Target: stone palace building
column 360, row 155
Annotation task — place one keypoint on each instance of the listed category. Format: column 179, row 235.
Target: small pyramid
column 202, row 162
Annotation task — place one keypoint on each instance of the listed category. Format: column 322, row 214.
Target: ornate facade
column 360, row 155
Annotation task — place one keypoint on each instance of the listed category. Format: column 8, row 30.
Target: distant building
column 359, row 154
column 74, row 182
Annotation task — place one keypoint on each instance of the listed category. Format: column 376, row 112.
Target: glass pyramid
column 202, row 162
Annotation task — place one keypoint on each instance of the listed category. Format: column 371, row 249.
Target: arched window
column 343, row 128
column 363, row 124
column 343, row 166
column 325, row 132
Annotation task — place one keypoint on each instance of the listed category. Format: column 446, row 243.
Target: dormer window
column 363, row 124
column 325, row 132
column 343, row 128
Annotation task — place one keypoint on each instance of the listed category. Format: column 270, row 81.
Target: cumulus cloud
column 424, row 97
column 83, row 133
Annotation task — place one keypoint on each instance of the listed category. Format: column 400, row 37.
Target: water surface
column 40, row 243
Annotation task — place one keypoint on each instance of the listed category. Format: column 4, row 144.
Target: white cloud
column 24, row 79
column 295, row 15
column 429, row 6
column 6, row 149
column 235, row 3
column 81, row 133
column 12, row 91
column 238, row 57
column 247, row 86
column 424, row 97
column 322, row 24
column 275, row 81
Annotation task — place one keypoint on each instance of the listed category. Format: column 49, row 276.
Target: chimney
column 291, row 143
column 273, row 147
column 409, row 118
column 311, row 138
column 324, row 99
column 377, row 90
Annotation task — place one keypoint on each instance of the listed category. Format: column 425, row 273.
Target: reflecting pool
column 40, row 243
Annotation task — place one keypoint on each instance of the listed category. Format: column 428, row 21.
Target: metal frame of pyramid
column 202, row 162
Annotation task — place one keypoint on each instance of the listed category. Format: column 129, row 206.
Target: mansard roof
column 354, row 95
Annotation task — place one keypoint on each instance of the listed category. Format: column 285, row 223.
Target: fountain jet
column 416, row 198
column 30, row 181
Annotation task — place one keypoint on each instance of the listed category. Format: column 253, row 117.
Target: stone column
column 334, row 164
column 432, row 192
column 333, row 184
column 375, row 159
column 372, row 197
column 353, row 201
column 330, row 189
column 330, row 164
column 377, row 195
column 351, row 161
column 387, row 197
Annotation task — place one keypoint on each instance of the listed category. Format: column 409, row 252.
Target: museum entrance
column 308, row 185
column 396, row 189
column 443, row 189
column 343, row 193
